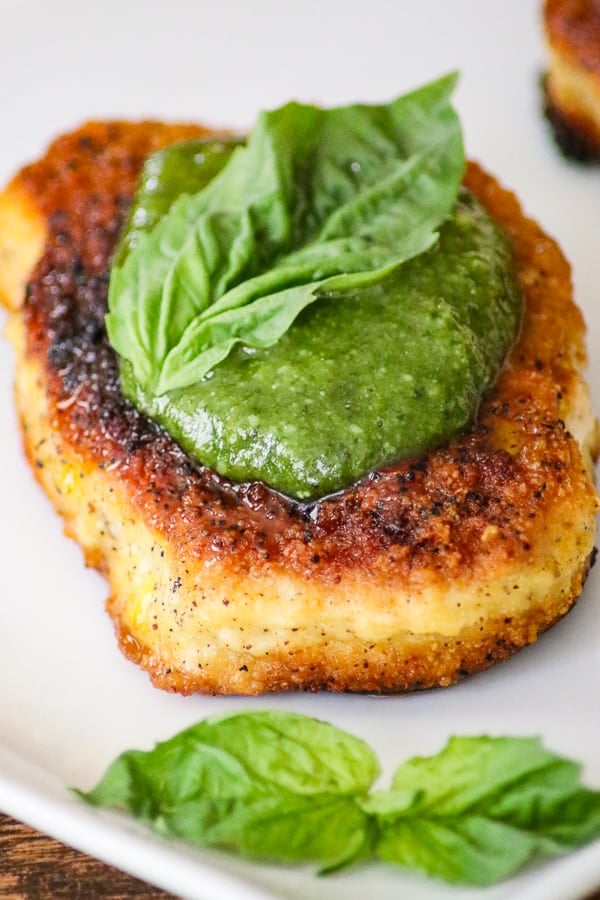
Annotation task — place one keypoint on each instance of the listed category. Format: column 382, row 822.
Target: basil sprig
column 288, row 788
column 317, row 202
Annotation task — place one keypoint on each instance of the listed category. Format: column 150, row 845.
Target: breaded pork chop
column 419, row 574
column 573, row 81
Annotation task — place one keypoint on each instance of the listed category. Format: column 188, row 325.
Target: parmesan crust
column 573, row 81
column 414, row 577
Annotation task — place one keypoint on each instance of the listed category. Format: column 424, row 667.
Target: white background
column 68, row 701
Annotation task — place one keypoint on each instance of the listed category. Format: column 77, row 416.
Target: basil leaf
column 326, row 828
column 471, row 851
column 183, row 168
column 271, row 785
column 476, row 812
column 288, row 788
column 318, row 202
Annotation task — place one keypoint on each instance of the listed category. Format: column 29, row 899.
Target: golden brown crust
column 573, row 81
column 415, row 576
column 23, row 229
column 572, row 27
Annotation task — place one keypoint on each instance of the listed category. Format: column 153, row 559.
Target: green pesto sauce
column 362, row 379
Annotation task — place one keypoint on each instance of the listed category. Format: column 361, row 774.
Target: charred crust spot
column 572, row 138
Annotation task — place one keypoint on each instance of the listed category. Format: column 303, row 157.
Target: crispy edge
column 572, row 84
column 23, row 233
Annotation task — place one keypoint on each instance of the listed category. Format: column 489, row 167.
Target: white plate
column 68, row 701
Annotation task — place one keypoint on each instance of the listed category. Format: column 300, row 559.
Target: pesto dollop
column 318, row 300
column 365, row 377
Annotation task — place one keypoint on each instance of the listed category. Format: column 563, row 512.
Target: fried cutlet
column 572, row 84
column 415, row 576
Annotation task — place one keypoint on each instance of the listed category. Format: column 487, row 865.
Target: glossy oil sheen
column 362, row 379
column 183, row 168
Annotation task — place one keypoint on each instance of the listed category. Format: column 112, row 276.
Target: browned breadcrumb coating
column 414, row 577
column 572, row 85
